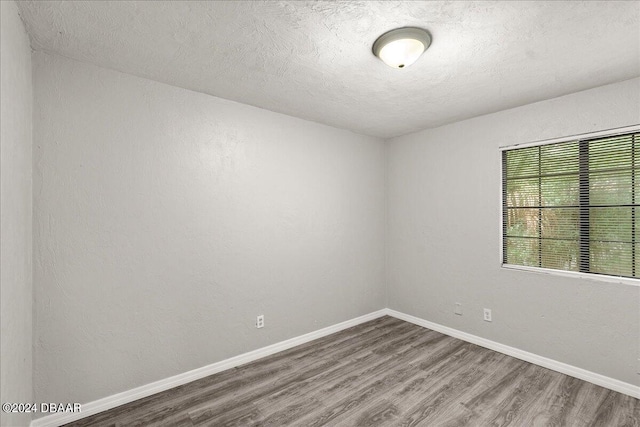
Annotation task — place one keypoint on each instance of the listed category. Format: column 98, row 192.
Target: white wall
column 15, row 208
column 444, row 236
column 165, row 220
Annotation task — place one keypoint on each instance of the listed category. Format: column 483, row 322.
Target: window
column 573, row 205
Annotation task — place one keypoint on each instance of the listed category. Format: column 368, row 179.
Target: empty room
column 320, row 213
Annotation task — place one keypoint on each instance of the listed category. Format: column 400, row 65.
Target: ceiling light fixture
column 401, row 47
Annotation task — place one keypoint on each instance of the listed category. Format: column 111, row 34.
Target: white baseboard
column 118, row 399
column 583, row 374
column 128, row 396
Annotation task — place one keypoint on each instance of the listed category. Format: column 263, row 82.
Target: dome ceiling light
column 401, row 47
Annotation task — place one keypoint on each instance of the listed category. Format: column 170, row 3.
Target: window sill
column 576, row 275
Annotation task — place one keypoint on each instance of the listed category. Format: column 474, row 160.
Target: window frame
column 554, row 272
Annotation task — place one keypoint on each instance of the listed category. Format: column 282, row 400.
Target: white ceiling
column 313, row 59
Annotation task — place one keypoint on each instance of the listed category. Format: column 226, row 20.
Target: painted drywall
column 165, row 220
column 15, row 207
column 443, row 238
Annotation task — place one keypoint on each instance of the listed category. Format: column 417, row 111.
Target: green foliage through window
column 574, row 205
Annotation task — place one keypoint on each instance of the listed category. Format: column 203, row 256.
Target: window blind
column 573, row 205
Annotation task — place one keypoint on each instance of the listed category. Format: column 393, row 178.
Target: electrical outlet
column 458, row 309
column 487, row 315
column 260, row 321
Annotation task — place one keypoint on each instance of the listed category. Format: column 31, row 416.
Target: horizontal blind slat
column 548, row 191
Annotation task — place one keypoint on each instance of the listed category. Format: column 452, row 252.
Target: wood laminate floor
column 385, row 372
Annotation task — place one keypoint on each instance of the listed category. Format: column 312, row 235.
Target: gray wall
column 443, row 238
column 165, row 220
column 15, row 206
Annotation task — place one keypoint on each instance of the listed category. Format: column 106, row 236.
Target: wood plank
column 385, row 372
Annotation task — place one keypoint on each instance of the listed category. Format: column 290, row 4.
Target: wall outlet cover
column 260, row 321
column 458, row 309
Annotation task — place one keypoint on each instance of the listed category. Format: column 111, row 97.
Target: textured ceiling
column 313, row 59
